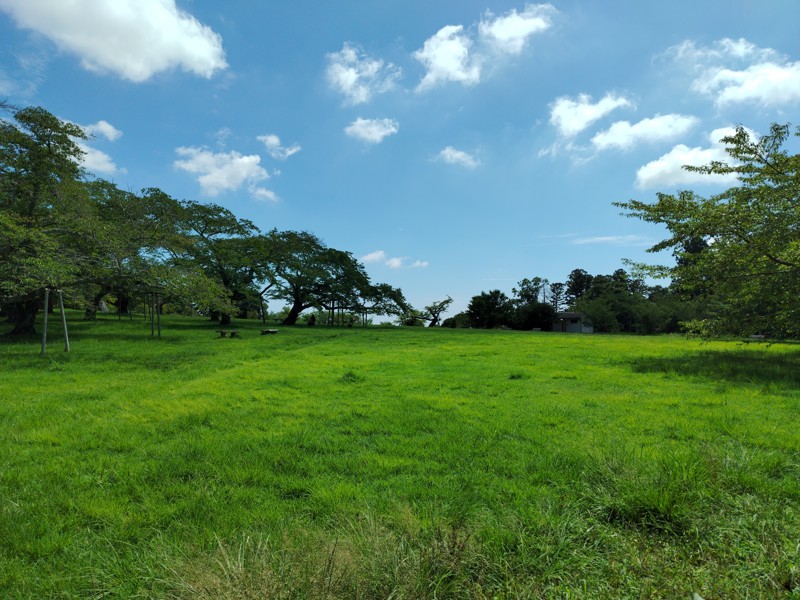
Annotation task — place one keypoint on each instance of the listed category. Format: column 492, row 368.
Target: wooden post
column 158, row 313
column 63, row 320
column 151, row 297
column 44, row 322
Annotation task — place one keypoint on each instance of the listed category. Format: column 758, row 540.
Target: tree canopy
column 739, row 249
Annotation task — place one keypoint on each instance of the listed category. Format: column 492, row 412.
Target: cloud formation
column 359, row 77
column 399, row 262
column 571, row 116
column 104, row 129
column 275, row 149
column 510, row 33
column 372, row 131
column 219, row 172
column 446, row 58
column 739, row 72
column 457, row 54
column 458, row 157
column 668, row 171
column 623, row 135
column 614, row 240
column 134, row 39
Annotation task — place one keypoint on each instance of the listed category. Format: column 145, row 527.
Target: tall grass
column 374, row 463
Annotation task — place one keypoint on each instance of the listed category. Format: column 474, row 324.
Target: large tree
column 229, row 250
column 490, row 309
column 39, row 173
column 740, row 247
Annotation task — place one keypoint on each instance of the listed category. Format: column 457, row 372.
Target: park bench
column 268, row 331
column 225, row 332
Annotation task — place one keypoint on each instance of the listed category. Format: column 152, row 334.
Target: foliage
column 490, row 309
column 38, row 169
column 739, row 248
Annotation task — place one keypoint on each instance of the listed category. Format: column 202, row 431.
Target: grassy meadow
column 403, row 463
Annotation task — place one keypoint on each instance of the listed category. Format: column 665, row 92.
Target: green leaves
column 750, row 264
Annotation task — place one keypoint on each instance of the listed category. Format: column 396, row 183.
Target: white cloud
column 765, row 84
column 510, row 32
column 134, row 39
column 97, row 162
column 395, row 263
column 458, row 157
column 446, row 57
column 103, row 128
column 668, row 171
column 614, row 240
column 222, row 171
column 398, row 262
column 739, row 72
column 261, row 193
column 374, row 257
column 372, row 131
column 358, row 76
column 625, row 136
column 274, row 148
column 571, row 117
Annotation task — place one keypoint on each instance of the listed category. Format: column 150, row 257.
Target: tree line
column 736, row 271
column 737, row 259
column 615, row 303
column 62, row 229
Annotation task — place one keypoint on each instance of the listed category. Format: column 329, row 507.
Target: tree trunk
column 22, row 315
column 294, row 313
column 225, row 319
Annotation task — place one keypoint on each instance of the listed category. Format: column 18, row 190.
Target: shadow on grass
column 742, row 366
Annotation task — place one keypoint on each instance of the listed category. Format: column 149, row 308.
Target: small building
column 572, row 322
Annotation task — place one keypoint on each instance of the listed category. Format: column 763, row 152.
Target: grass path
column 396, row 462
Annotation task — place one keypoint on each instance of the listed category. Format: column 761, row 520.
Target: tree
column 557, row 295
column 39, row 168
column 433, row 312
column 750, row 255
column 306, row 273
column 229, row 250
column 529, row 290
column 490, row 309
column 578, row 283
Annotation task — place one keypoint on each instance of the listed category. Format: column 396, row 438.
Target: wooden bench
column 224, row 332
column 268, row 331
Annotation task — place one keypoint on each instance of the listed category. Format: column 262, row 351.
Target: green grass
column 405, row 463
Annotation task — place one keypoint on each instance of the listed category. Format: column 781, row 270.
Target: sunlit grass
column 396, row 462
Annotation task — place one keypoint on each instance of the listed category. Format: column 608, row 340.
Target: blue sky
column 453, row 146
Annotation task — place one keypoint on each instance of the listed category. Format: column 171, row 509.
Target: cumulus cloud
column 98, row 162
column 134, row 39
column 219, row 172
column 399, row 262
column 668, row 171
column 104, row 129
column 372, row 131
column 510, row 32
column 458, row 157
column 374, row 257
column 359, row 77
column 458, row 54
column 624, row 135
column 275, row 149
column 571, row 116
column 446, row 57
column 739, row 72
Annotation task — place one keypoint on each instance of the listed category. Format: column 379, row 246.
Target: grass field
column 405, row 463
